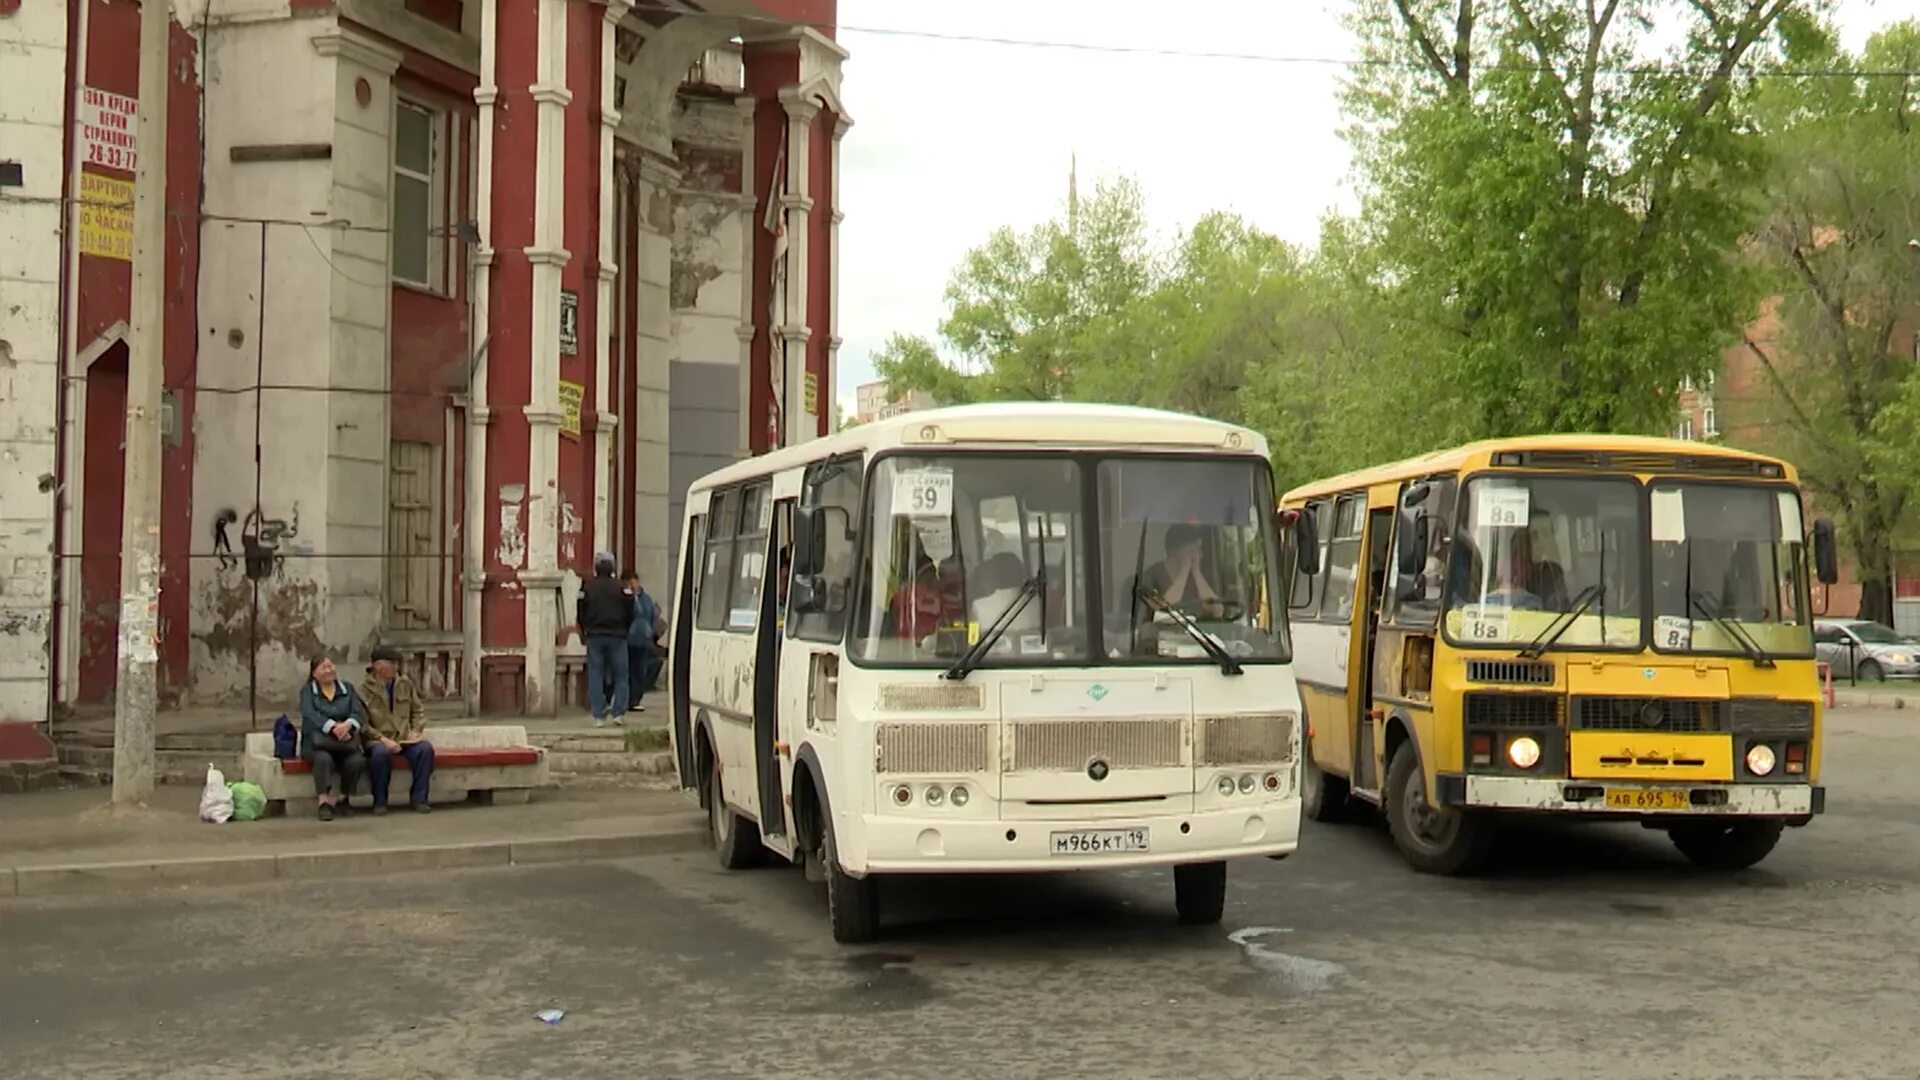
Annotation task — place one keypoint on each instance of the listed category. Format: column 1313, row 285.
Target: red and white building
column 458, row 292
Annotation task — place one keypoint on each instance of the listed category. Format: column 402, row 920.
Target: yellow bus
column 1599, row 626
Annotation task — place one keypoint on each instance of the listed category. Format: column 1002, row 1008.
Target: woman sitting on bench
column 331, row 718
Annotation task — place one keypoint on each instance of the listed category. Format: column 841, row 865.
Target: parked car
column 1880, row 653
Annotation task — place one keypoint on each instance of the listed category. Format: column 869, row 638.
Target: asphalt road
column 1588, row 952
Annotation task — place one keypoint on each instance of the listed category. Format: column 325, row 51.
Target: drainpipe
column 66, row 347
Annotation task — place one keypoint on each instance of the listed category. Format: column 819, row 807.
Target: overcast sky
column 952, row 139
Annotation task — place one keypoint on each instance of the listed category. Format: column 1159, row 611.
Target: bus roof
column 1640, row 453
column 1040, row 424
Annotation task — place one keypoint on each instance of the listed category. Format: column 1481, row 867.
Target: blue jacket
column 643, row 631
column 316, row 712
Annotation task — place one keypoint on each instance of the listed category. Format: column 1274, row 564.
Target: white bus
column 1020, row 637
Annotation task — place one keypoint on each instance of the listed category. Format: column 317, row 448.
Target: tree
column 1843, row 193
column 908, row 362
column 1564, row 216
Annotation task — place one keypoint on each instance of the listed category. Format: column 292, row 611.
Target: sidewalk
column 74, row 841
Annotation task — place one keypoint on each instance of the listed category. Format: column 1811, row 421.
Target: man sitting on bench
column 397, row 724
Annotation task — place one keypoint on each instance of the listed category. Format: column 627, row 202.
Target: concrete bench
column 493, row 763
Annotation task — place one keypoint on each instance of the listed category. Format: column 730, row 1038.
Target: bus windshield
column 1728, row 564
column 1531, row 553
column 1160, row 550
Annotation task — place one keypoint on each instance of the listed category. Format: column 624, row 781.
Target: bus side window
column 716, row 573
column 1343, row 553
column 1416, row 603
column 832, row 496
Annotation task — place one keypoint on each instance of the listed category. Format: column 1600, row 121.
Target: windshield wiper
column 965, row 666
column 1733, row 630
column 1219, row 653
column 1561, row 623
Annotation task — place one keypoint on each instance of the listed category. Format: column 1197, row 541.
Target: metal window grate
column 1123, row 744
column 1245, row 740
column 1524, row 672
column 932, row 748
column 932, row 697
column 1648, row 714
column 1769, row 718
column 1513, row 710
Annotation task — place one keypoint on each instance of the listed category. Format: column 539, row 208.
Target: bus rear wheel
column 1200, row 893
column 1433, row 840
column 735, row 840
column 1726, row 845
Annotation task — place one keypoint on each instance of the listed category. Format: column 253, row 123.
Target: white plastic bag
column 216, row 802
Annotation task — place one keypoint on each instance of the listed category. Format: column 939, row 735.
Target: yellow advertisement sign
column 812, row 398
column 106, row 217
column 571, row 394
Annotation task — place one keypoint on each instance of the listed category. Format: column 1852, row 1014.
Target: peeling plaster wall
column 321, row 473
column 32, row 114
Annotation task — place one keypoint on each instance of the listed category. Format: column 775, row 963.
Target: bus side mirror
column 1410, row 542
column 1826, row 564
column 1306, row 540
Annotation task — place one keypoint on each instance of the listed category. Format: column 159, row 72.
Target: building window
column 1686, row 428
column 419, row 196
column 1709, row 422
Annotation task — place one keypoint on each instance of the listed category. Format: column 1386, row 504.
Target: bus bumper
column 926, row 844
column 1555, row 795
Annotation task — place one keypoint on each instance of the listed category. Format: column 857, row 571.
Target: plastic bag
column 216, row 802
column 249, row 800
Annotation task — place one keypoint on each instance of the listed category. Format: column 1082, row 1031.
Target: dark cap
column 384, row 652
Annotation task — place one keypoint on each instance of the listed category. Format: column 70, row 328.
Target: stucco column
column 797, row 424
column 653, row 346
column 606, row 271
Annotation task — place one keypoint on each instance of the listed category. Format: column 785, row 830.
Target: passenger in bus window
column 1178, row 580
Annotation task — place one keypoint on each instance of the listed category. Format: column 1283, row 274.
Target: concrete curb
column 1876, row 699
column 108, row 877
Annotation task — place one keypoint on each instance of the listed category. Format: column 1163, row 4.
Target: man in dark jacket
column 605, row 612
column 643, row 641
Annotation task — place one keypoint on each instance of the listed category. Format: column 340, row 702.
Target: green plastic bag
column 249, row 801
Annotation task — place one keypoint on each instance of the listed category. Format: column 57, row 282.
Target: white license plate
column 1100, row 842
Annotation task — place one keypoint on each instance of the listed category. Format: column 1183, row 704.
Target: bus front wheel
column 853, row 904
column 1323, row 798
column 1200, row 893
column 1726, row 845
column 735, row 839
column 1433, row 840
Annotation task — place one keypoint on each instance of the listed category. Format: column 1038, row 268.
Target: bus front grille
column 1767, row 718
column 933, row 748
column 1050, row 745
column 1492, row 710
column 1609, row 713
column 1245, row 740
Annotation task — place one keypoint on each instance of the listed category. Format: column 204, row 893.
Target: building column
column 752, row 423
column 792, row 330
column 653, row 369
column 606, row 271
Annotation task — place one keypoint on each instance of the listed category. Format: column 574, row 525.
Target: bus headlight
column 1760, row 759
column 902, row 795
column 1225, row 785
column 1524, row 752
column 935, row 796
column 958, row 796
column 1246, row 784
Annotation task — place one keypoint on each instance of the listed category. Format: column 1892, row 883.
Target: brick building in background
column 457, row 293
column 1738, row 405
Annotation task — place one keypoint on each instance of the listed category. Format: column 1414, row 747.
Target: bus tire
column 1726, row 845
column 735, row 839
column 1323, row 798
column 1200, row 893
column 1433, row 840
column 853, row 904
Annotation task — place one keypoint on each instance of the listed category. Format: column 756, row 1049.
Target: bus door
column 771, row 635
column 1370, row 576
column 680, row 649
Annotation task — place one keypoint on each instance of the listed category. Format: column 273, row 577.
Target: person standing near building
column 605, row 613
column 396, row 727
column 643, row 642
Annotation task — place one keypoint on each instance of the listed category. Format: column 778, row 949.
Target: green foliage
column 1843, row 202
column 1569, row 225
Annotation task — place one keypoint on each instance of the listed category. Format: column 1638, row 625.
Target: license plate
column 1100, row 842
column 1648, row 799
